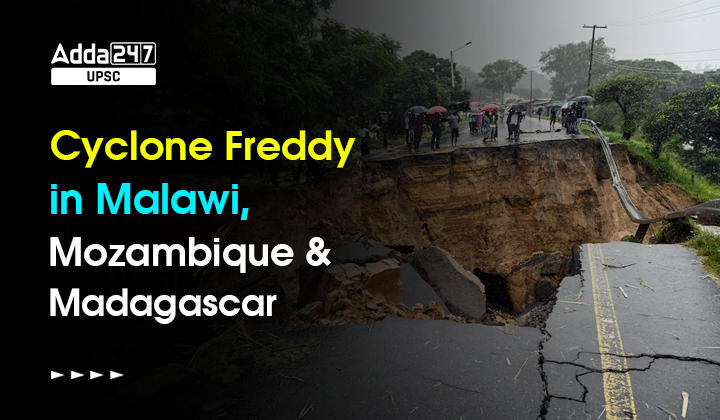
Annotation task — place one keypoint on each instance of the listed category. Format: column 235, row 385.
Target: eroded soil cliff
column 491, row 208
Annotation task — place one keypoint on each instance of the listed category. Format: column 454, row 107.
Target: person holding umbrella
column 417, row 132
column 490, row 117
column 513, row 122
column 436, row 130
column 485, row 124
column 415, row 126
column 436, row 125
column 473, row 122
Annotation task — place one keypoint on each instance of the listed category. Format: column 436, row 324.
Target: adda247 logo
column 123, row 63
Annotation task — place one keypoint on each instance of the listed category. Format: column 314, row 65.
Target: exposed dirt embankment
column 491, row 208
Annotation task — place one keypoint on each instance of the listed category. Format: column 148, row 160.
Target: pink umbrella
column 488, row 108
column 437, row 109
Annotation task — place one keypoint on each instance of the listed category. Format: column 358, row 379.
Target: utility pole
column 592, row 46
column 452, row 63
column 531, row 99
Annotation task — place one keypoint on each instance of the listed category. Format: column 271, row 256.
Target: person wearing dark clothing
column 365, row 144
column 418, row 132
column 408, row 122
column 513, row 123
column 571, row 126
column 436, row 129
column 553, row 115
column 492, row 118
column 473, row 123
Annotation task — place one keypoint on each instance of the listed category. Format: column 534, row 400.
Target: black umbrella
column 584, row 99
column 417, row 109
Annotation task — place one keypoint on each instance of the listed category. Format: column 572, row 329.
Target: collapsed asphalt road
column 638, row 327
column 627, row 336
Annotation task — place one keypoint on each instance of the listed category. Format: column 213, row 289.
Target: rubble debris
column 416, row 290
column 618, row 266
column 353, row 294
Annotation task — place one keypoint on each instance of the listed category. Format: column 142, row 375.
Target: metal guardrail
column 710, row 208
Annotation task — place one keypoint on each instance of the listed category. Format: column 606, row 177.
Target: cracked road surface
column 659, row 330
column 400, row 368
column 639, row 326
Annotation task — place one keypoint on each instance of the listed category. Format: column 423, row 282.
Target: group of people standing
column 485, row 121
column 514, row 118
column 571, row 116
column 415, row 127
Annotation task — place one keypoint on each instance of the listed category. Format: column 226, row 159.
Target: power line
column 685, row 52
column 658, row 72
column 692, row 12
column 700, row 15
column 623, row 23
column 699, row 60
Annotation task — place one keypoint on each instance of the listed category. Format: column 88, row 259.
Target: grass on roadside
column 707, row 247
column 667, row 168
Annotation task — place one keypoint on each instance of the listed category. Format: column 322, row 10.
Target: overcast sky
column 514, row 29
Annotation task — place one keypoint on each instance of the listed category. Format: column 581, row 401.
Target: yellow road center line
column 619, row 401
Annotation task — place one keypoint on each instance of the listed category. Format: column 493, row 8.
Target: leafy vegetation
column 633, row 95
column 502, row 75
column 707, row 246
column 667, row 167
column 568, row 65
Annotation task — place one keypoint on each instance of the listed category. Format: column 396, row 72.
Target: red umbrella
column 489, row 108
column 437, row 109
column 475, row 105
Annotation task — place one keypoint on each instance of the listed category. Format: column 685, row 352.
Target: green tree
column 568, row 65
column 502, row 75
column 354, row 65
column 633, row 95
column 658, row 129
column 424, row 79
column 696, row 119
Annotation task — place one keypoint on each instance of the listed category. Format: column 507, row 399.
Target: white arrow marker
column 114, row 375
column 94, row 375
column 55, row 375
column 75, row 375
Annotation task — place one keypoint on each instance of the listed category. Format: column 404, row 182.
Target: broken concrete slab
column 416, row 290
column 461, row 291
column 400, row 368
column 383, row 278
